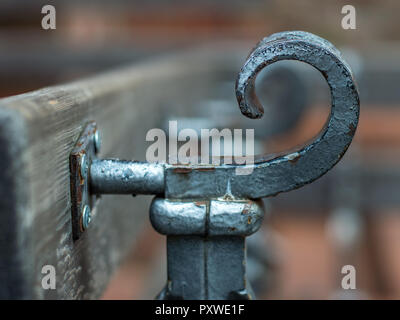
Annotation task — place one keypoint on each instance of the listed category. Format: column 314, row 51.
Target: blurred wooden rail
column 37, row 133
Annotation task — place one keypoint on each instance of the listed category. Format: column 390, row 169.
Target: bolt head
column 86, row 216
column 97, row 141
column 83, row 165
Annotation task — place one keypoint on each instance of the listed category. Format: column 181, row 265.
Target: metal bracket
column 82, row 200
column 205, row 211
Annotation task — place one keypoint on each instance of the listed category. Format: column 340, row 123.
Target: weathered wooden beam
column 37, row 133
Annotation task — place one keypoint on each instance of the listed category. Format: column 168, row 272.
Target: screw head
column 97, row 141
column 83, row 165
column 86, row 216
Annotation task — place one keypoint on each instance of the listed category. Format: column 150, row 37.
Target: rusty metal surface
column 296, row 168
column 273, row 174
column 80, row 160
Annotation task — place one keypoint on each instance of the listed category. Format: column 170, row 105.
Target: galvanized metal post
column 206, row 246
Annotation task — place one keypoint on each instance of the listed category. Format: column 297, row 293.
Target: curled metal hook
column 292, row 170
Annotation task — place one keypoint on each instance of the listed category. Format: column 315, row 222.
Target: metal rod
column 111, row 176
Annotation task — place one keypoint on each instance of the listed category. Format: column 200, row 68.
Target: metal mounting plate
column 82, row 202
